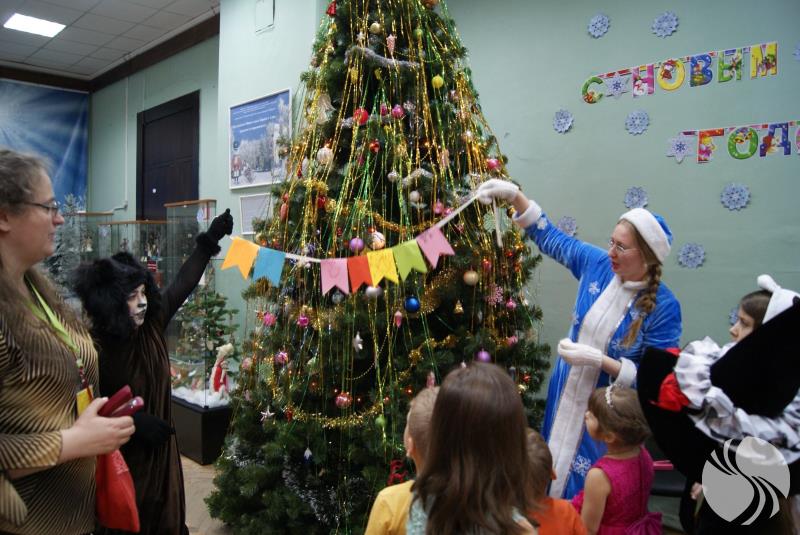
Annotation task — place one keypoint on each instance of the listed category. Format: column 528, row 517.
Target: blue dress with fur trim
column 592, row 267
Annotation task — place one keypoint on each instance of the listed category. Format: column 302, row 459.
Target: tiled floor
column 199, row 482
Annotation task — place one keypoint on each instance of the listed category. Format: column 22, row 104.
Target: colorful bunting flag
column 241, row 254
column 269, row 264
column 358, row 268
column 433, row 243
column 334, row 273
column 381, row 265
column 408, row 256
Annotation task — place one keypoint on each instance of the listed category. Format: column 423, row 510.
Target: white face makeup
column 137, row 305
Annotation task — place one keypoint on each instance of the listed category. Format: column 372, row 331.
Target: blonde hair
column 419, row 418
column 646, row 302
column 617, row 411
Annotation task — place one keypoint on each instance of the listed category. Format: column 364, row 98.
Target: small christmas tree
column 205, row 324
column 391, row 142
column 68, row 241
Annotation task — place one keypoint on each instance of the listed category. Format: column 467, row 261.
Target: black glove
column 150, row 430
column 222, row 225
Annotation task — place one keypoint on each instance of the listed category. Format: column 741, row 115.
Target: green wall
column 529, row 59
column 112, row 124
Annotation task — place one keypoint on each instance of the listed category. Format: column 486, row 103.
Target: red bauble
column 321, row 200
column 360, row 116
column 331, row 11
column 344, row 400
column 284, row 212
column 375, row 146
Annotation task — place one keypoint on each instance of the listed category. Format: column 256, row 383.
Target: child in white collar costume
column 621, row 308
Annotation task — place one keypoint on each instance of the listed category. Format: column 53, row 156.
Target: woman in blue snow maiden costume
column 621, row 308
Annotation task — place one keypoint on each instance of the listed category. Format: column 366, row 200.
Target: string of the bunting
column 351, row 273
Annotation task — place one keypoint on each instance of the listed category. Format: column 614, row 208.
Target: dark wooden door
column 167, row 153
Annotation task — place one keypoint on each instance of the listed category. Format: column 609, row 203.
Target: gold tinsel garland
column 352, row 420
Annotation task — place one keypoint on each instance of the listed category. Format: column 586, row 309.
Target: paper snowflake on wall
column 617, row 85
column 635, row 197
column 598, row 25
column 637, row 122
column 691, row 255
column 680, row 147
column 562, row 121
column 733, row 316
column 735, row 196
column 796, row 53
column 568, row 225
column 665, row 24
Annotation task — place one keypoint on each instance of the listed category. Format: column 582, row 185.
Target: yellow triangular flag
column 381, row 264
column 408, row 257
column 242, row 254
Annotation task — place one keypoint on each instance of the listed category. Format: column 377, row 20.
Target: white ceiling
column 99, row 34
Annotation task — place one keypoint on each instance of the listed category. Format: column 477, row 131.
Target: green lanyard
column 47, row 315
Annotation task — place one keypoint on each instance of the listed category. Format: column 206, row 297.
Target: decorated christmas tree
column 68, row 240
column 375, row 276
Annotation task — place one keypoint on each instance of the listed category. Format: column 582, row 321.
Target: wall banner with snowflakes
column 670, row 74
column 742, row 142
column 50, row 123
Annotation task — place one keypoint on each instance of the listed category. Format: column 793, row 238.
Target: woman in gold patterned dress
column 47, row 365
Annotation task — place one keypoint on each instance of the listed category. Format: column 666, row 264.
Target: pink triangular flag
column 334, row 273
column 433, row 244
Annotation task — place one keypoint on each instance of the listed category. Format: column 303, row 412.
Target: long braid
column 645, row 304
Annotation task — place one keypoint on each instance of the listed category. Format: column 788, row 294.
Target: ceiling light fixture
column 28, row 24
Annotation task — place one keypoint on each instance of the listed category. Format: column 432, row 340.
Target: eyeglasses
column 618, row 247
column 52, row 208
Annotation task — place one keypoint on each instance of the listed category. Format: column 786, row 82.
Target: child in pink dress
column 614, row 498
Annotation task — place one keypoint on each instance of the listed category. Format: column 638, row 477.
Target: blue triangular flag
column 269, row 264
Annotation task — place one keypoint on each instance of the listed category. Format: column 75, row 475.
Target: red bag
column 115, row 501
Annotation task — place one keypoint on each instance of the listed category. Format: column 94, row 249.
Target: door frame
column 143, row 118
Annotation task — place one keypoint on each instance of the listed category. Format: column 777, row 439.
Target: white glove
column 579, row 354
column 494, row 188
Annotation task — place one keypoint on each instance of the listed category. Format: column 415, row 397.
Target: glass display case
column 84, row 228
column 200, row 336
column 146, row 240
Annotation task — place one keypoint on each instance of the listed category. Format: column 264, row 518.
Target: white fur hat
column 781, row 298
column 653, row 230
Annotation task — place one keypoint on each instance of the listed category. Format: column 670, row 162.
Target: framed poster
column 255, row 128
column 253, row 206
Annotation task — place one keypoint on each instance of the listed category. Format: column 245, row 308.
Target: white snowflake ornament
column 735, row 196
column 637, row 122
column 665, row 24
column 636, row 197
column 617, row 85
column 598, row 25
column 581, row 465
column 568, row 225
column 594, row 288
column 680, row 147
column 692, row 255
column 562, row 121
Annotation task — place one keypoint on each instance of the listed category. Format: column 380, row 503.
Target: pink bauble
column 281, row 357
column 397, row 111
column 269, row 319
column 483, row 356
column 438, row 207
column 302, row 320
column 384, row 110
column 511, row 304
column 512, row 340
column 343, row 400
column 356, row 244
column 492, row 163
column 247, row 362
column 398, row 318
